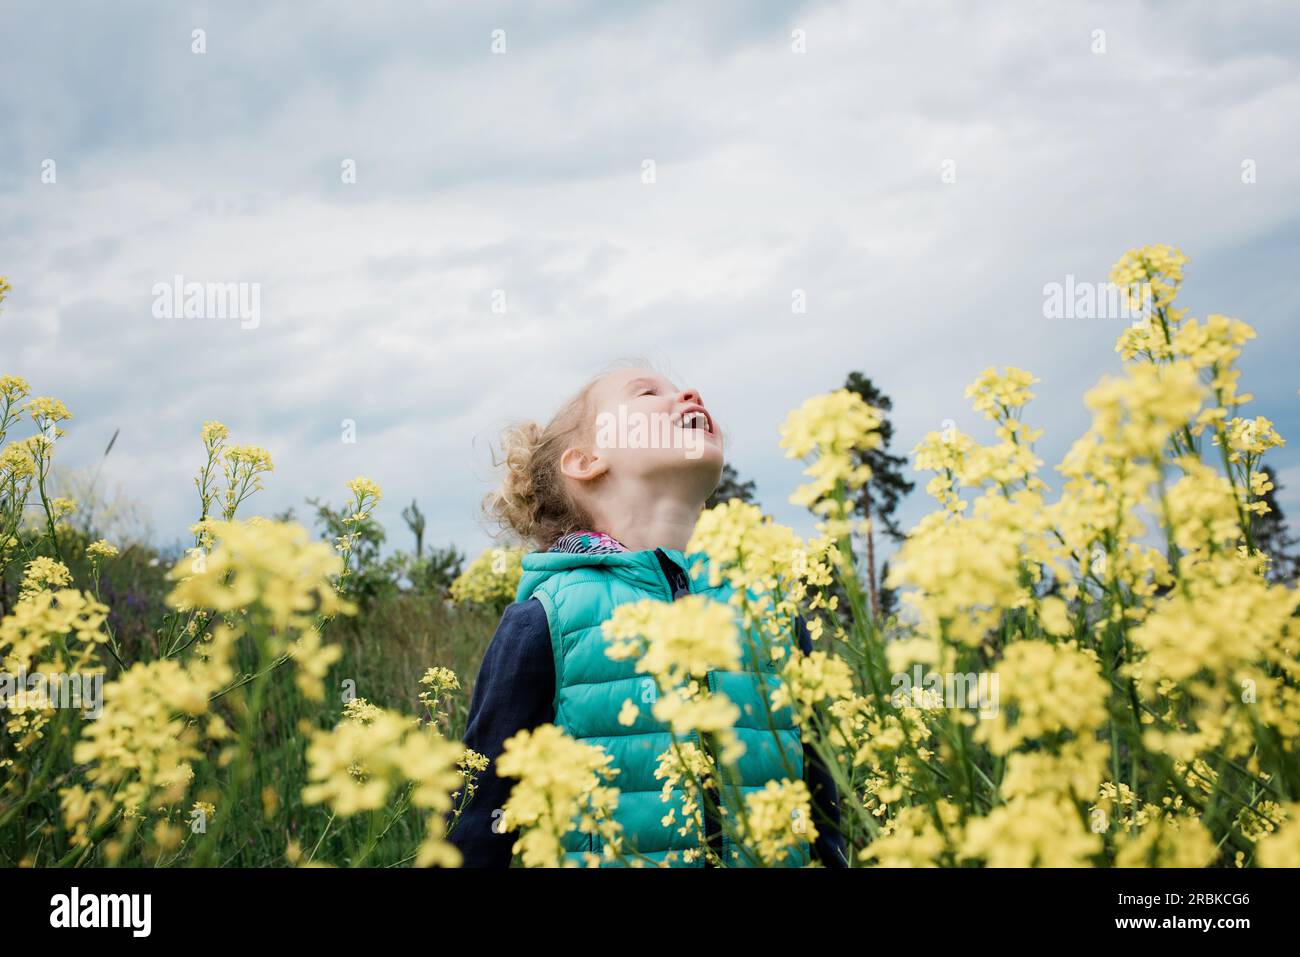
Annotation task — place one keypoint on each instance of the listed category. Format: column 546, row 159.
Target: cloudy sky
column 520, row 174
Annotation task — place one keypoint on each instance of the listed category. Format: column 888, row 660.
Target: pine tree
column 730, row 486
column 888, row 597
column 1273, row 538
column 879, row 498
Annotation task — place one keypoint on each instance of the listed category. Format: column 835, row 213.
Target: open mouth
column 694, row 420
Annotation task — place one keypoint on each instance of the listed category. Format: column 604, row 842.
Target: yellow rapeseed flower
column 100, row 549
column 560, row 779
column 492, row 577
column 777, row 819
column 358, row 765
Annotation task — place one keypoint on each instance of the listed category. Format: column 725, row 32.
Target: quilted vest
column 579, row 592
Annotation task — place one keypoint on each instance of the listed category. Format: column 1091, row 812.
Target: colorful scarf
column 587, row 541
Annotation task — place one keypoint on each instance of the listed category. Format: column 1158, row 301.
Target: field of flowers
column 1145, row 670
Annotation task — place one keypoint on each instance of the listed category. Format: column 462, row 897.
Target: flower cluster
column 365, row 496
column 491, row 578
column 831, row 429
column 140, row 752
column 1107, row 674
column 777, row 819
column 678, row 643
column 174, row 733
column 438, row 684
column 562, row 785
column 356, row 766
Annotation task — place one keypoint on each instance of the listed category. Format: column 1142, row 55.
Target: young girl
column 611, row 516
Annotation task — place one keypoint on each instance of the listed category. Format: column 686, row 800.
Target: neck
column 644, row 522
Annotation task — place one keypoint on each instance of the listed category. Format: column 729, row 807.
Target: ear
column 580, row 464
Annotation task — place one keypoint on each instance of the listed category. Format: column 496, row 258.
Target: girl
column 610, row 506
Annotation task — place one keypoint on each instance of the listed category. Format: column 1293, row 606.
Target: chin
column 709, row 458
column 706, row 465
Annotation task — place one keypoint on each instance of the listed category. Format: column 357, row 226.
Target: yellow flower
column 1041, row 831
column 214, row 434
column 1135, row 415
column 43, row 573
column 100, row 549
column 60, row 507
column 1160, row 267
column 1250, row 437
column 759, row 558
column 472, row 761
column 16, row 465
column 1055, row 616
column 1075, row 767
column 995, row 394
column 272, row 570
column 1044, row 689
column 244, row 467
column 493, row 576
column 831, row 428
column 811, row 680
column 966, row 572
column 361, row 711
column 949, row 453
column 912, row 839
column 1167, row 842
column 40, row 621
column 674, row 641
column 439, row 681
column 314, row 659
column 686, row 768
column 139, row 752
column 1215, row 346
column 46, row 411
column 1203, row 511
column 777, row 819
column 1224, row 633
column 1282, row 847
column 248, row 459
column 357, row 766
column 12, row 387
column 364, row 489
column 559, row 780
column 713, row 714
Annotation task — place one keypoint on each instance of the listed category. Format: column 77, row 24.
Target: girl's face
column 645, row 426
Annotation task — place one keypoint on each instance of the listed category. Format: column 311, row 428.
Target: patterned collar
column 587, row 542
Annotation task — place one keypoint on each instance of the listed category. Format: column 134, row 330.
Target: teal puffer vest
column 579, row 592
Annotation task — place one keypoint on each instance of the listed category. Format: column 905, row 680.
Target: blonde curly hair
column 532, row 501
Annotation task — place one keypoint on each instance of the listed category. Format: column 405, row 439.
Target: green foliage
column 415, row 521
column 1272, row 536
column 730, row 486
column 878, row 499
column 369, row 576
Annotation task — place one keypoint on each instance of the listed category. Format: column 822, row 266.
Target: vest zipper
column 679, row 584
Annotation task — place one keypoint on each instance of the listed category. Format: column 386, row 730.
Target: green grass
column 386, row 649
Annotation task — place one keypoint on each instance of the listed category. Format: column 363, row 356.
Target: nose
column 690, row 395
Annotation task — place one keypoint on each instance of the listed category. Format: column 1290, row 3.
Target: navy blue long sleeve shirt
column 515, row 690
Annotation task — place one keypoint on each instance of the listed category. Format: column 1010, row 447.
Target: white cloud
column 521, row 172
